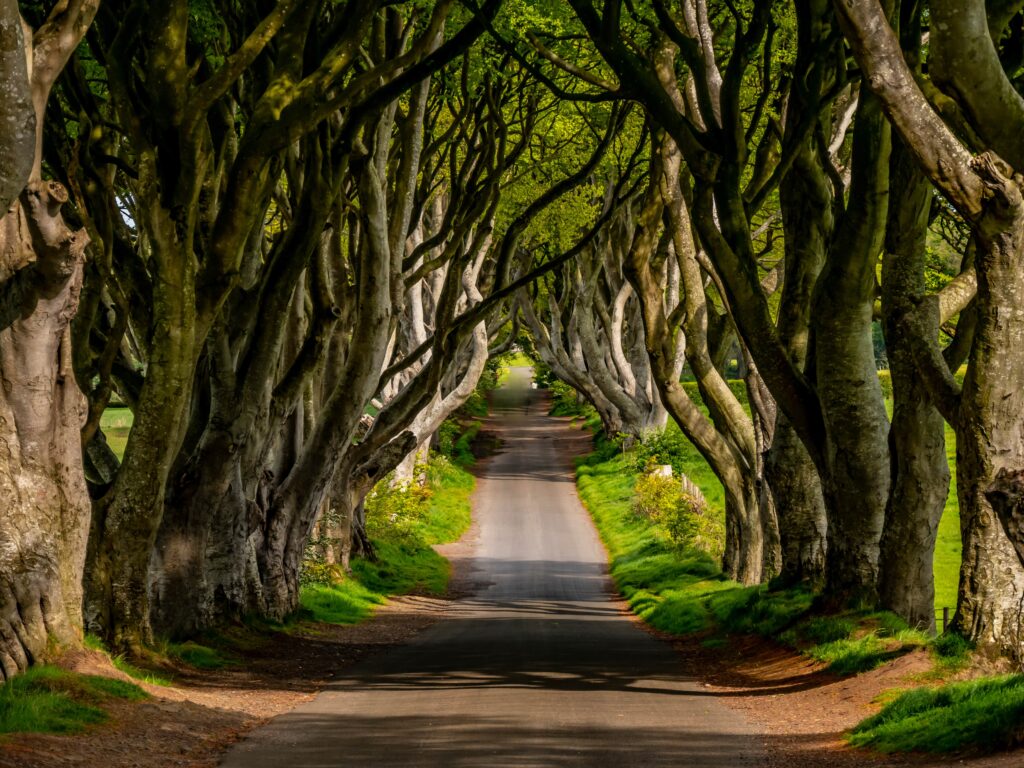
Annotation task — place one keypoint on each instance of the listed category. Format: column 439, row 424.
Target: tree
column 45, row 515
column 985, row 410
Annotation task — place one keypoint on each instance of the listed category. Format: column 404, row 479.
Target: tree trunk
column 126, row 521
column 43, row 497
column 917, row 445
column 803, row 527
column 205, row 547
column 857, row 427
column 990, row 430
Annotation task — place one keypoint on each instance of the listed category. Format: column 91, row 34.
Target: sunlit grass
column 985, row 714
column 405, row 564
column 116, row 423
column 684, row 591
column 50, row 700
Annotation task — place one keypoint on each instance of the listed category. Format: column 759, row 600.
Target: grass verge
column 683, row 591
column 47, row 699
column 406, row 560
column 985, row 714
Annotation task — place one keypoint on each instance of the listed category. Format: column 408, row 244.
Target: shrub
column 447, row 434
column 667, row 446
column 682, row 516
column 395, row 511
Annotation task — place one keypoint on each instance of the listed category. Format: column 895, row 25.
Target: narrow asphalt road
column 539, row 668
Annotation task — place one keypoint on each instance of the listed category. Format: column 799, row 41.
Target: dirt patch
column 191, row 724
column 803, row 710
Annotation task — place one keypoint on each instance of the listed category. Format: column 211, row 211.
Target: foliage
column 455, row 441
column 684, row 517
column 681, row 590
column 406, row 561
column 984, row 714
column 566, row 401
column 396, row 511
column 46, row 699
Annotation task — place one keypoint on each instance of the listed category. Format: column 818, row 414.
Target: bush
column 395, row 511
column 683, row 517
column 447, row 434
column 668, row 446
column 566, row 401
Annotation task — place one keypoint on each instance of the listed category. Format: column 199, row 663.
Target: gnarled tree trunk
column 44, row 503
column 43, row 497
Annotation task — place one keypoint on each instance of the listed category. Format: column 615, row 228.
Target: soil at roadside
column 192, row 722
column 803, row 711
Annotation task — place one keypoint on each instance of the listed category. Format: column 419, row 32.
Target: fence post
column 945, row 617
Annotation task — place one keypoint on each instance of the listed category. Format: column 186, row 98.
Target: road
column 539, row 668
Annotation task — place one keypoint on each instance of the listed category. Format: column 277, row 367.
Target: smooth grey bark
column 986, row 410
column 917, row 445
column 44, row 501
column 17, row 115
column 856, row 485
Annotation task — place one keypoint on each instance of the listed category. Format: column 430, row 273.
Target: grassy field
column 116, row 423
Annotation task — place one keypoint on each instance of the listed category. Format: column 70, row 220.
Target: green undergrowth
column 47, row 699
column 202, row 656
column 218, row 650
column 672, row 447
column 455, row 440
column 985, row 714
column 405, row 559
column 682, row 591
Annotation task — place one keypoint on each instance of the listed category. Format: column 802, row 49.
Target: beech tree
column 45, row 507
column 230, row 168
column 985, row 410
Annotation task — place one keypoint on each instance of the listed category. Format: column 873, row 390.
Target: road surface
column 540, row 668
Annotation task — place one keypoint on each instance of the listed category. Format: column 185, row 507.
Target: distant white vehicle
column 533, row 385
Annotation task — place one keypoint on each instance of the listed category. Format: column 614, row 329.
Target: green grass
column 683, row 591
column 122, row 664
column 116, row 423
column 405, row 564
column 138, row 673
column 462, row 451
column 50, row 700
column 948, row 547
column 519, row 360
column 685, row 458
column 985, row 714
column 199, row 656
